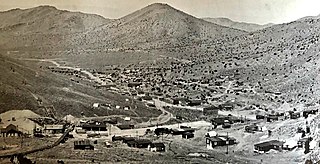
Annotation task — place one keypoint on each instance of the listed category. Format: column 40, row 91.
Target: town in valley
column 157, row 86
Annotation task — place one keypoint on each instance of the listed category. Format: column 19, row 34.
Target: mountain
column 47, row 19
column 250, row 27
column 282, row 58
column 155, row 26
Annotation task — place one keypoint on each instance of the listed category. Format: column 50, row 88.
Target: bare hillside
column 47, row 19
column 30, row 85
column 155, row 26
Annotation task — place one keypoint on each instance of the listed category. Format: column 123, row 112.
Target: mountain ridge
column 250, row 27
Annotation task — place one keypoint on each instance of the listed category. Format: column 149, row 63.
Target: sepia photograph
column 159, row 81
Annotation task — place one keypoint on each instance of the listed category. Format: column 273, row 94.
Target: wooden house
column 157, row 147
column 94, row 126
column 187, row 135
column 214, row 141
column 10, row 131
column 252, row 128
column 53, row 129
column 139, row 143
column 268, row 145
column 83, row 145
column 117, row 138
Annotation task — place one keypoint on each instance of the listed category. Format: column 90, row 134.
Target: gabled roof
column 10, row 127
column 220, row 138
column 157, row 145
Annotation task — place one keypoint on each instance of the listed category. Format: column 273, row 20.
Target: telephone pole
column 227, row 144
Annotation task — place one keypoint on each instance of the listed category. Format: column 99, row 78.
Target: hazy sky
column 255, row 11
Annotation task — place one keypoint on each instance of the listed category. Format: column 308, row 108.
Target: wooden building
column 214, row 141
column 94, row 126
column 83, row 145
column 268, row 145
column 157, row 147
column 10, row 131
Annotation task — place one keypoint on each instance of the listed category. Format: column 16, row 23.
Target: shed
column 187, row 135
column 117, row 138
column 127, row 139
column 268, row 145
column 94, row 126
column 160, row 131
column 252, row 128
column 157, row 147
column 214, row 141
column 139, row 143
column 83, row 145
column 194, row 102
column 295, row 115
column 53, row 129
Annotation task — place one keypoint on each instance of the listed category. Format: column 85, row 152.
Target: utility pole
column 227, row 143
column 21, row 140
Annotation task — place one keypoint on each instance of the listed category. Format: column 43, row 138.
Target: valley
column 159, row 69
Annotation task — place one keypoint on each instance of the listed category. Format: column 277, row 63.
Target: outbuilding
column 83, row 145
column 187, row 135
column 214, row 141
column 157, row 147
column 268, row 145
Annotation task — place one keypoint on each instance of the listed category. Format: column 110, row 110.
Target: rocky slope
column 47, row 19
column 30, row 85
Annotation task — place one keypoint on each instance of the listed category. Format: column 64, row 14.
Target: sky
column 251, row 11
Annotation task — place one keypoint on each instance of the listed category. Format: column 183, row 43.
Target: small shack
column 161, row 131
column 214, row 141
column 252, row 128
column 53, row 129
column 139, row 143
column 126, row 139
column 188, row 135
column 83, row 145
column 311, row 111
column 117, row 138
column 295, row 115
column 268, row 145
column 94, row 126
column 157, row 147
column 194, row 102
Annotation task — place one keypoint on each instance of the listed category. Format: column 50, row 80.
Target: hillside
column 250, row 27
column 43, row 27
column 27, row 82
column 282, row 58
column 47, row 19
column 155, row 26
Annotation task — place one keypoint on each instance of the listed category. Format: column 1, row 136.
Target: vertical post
column 21, row 140
column 228, row 143
column 162, row 137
